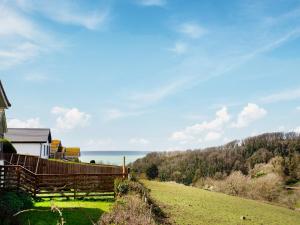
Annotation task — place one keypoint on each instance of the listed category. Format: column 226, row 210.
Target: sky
column 151, row 74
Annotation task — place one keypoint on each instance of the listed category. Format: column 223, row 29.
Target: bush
column 235, row 184
column 152, row 172
column 11, row 203
column 93, row 161
column 291, row 181
column 131, row 210
column 121, row 186
column 7, row 146
column 267, row 187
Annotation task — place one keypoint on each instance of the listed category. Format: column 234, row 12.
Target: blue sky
column 151, row 74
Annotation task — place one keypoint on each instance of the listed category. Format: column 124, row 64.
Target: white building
column 30, row 141
column 4, row 104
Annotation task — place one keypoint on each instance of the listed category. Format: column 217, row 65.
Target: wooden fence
column 44, row 166
column 46, row 178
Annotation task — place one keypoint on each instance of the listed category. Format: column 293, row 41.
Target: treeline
column 217, row 162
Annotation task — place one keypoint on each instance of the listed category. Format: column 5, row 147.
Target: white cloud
column 152, row 2
column 192, row 30
column 14, row 24
column 66, row 12
column 207, row 130
column 212, row 136
column 30, row 123
column 298, row 108
column 21, row 39
column 297, row 130
column 17, row 55
column 68, row 119
column 249, row 114
column 139, row 141
column 98, row 144
column 36, row 77
column 286, row 95
column 114, row 114
column 179, row 48
column 155, row 95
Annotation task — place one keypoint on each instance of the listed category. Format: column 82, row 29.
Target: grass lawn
column 79, row 212
column 189, row 205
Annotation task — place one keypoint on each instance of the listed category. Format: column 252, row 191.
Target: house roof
column 4, row 103
column 74, row 151
column 55, row 146
column 28, row 135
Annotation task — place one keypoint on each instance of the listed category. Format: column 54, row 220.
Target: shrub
column 11, row 203
column 152, row 172
column 133, row 176
column 291, row 181
column 267, row 187
column 131, row 210
column 234, row 184
column 121, row 186
column 93, row 161
column 7, row 146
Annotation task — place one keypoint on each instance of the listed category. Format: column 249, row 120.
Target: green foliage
column 121, row 186
column 7, row 146
column 152, row 172
column 189, row 166
column 259, row 174
column 133, row 176
column 11, row 203
column 93, row 161
column 291, row 181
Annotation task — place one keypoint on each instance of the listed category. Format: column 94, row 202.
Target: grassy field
column 79, row 212
column 189, row 205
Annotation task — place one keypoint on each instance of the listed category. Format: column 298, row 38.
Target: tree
column 152, row 172
column 7, row 146
column 92, row 161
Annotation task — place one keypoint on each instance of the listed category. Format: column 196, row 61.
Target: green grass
column 189, row 205
column 79, row 212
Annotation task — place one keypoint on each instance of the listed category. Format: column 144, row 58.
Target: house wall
column 37, row 149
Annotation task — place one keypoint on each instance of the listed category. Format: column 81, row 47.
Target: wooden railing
column 22, row 177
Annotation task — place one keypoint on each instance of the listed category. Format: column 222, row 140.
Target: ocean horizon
column 113, row 157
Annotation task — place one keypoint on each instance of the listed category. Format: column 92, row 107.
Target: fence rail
column 42, row 178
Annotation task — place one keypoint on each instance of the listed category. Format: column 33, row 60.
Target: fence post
column 37, row 165
column 123, row 167
column 12, row 155
column 75, row 186
column 18, row 178
column 35, row 185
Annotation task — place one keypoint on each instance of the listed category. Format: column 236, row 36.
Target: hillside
column 217, row 162
column 189, row 205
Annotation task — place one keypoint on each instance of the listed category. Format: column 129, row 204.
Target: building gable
column 4, row 102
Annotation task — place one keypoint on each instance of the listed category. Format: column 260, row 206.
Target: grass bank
column 79, row 212
column 189, row 205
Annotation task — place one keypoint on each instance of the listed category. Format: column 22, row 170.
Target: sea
column 111, row 157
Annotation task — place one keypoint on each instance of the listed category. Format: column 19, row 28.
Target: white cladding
column 36, row 149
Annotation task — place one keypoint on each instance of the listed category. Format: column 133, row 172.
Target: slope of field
column 189, row 205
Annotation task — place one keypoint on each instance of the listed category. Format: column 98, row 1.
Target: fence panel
column 46, row 178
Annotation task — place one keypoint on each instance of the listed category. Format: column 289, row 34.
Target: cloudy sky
column 151, row 74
